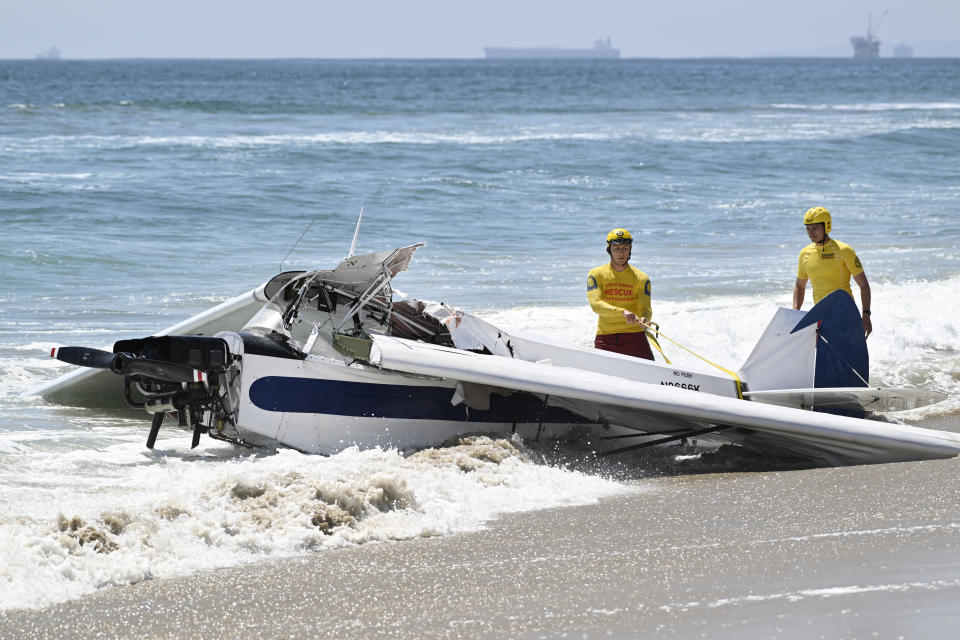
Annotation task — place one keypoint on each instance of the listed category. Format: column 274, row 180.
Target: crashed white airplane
column 324, row 360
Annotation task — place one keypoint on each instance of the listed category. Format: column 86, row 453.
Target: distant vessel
column 903, row 51
column 869, row 46
column 601, row 49
column 50, row 54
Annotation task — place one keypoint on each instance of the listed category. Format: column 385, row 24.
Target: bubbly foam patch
column 137, row 517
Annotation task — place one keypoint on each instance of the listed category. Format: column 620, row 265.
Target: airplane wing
column 849, row 398
column 829, row 438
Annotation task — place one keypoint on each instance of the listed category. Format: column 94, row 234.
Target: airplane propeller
column 126, row 364
column 84, row 357
column 154, row 429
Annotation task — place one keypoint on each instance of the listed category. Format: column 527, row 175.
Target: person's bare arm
column 865, row 298
column 799, row 289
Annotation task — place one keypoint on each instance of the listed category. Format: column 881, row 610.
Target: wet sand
column 857, row 552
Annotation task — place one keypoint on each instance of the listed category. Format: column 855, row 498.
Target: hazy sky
column 452, row 29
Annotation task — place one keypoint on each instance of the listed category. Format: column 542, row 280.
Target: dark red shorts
column 630, row 344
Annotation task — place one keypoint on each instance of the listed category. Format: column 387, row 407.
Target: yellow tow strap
column 656, row 344
column 653, row 332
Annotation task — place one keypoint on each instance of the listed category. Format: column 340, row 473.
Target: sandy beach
column 857, row 552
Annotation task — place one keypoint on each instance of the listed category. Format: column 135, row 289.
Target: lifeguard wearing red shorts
column 619, row 293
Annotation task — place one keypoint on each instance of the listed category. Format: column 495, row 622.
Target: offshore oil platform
column 50, row 54
column 869, row 46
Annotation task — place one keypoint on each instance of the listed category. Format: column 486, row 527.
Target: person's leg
column 629, row 344
column 638, row 346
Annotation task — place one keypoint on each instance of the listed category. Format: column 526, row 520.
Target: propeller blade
column 154, row 429
column 196, row 435
column 197, row 427
column 158, row 369
column 84, row 356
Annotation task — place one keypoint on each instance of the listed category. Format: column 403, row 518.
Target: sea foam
column 120, row 516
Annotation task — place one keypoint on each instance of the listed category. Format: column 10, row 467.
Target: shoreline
column 839, row 552
column 941, row 422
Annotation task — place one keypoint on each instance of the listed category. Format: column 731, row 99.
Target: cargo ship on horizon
column 602, row 48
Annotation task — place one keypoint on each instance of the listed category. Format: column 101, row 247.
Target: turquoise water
column 134, row 193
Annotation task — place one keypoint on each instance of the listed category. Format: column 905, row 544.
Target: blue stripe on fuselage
column 361, row 399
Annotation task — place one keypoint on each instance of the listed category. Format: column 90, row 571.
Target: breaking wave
column 680, row 126
column 132, row 516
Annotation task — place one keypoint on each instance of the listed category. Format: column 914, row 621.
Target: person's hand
column 867, row 326
column 630, row 317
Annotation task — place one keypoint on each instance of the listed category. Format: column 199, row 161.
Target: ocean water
column 135, row 193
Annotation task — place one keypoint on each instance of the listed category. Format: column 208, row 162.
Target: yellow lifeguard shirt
column 610, row 292
column 828, row 267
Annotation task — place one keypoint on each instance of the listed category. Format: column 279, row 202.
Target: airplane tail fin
column 842, row 357
column 822, row 348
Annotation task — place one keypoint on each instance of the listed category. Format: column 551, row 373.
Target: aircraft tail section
column 823, row 348
column 842, row 358
column 783, row 358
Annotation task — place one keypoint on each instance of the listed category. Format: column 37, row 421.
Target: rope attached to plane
column 842, row 359
column 653, row 339
column 653, row 332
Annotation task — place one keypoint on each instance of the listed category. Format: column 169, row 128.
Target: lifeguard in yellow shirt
column 828, row 264
column 620, row 295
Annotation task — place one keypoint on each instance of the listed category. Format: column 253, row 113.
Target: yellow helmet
column 619, row 236
column 818, row 214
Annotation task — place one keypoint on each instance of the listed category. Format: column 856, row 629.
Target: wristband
column 866, row 312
